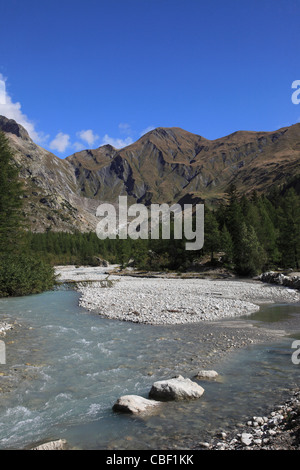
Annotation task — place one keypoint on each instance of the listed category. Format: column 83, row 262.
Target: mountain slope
column 50, row 199
column 165, row 165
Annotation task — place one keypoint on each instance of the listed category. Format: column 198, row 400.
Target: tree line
column 245, row 234
column 259, row 232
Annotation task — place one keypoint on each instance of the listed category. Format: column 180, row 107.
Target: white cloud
column 125, row 128
column 60, row 143
column 117, row 143
column 148, row 129
column 88, row 136
column 13, row 110
column 2, row 90
column 78, row 146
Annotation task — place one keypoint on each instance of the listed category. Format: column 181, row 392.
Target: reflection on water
column 78, row 364
column 273, row 314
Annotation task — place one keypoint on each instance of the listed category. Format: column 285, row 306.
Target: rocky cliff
column 50, row 185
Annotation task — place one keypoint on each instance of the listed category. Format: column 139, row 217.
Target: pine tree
column 289, row 229
column 234, row 220
column 249, row 256
column 125, row 251
column 20, row 274
column 11, row 195
column 267, row 233
column 140, row 253
column 226, row 245
column 211, row 234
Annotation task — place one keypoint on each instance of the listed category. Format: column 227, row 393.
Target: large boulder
column 177, row 388
column 135, row 404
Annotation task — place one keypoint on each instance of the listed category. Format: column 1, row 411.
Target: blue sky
column 79, row 74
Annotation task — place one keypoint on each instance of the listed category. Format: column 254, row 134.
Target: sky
column 80, row 74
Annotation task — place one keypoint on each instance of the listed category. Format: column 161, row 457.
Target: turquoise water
column 78, row 364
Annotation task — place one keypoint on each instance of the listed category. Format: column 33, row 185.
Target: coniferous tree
column 140, row 253
column 226, row 245
column 10, row 199
column 211, row 234
column 234, row 221
column 267, row 233
column 249, row 257
column 20, row 273
column 289, row 229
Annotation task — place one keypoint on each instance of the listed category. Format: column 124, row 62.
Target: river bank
column 279, row 430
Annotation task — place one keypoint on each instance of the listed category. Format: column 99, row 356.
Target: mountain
column 165, row 165
column 169, row 164
column 50, row 197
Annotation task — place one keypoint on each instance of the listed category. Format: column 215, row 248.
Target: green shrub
column 23, row 275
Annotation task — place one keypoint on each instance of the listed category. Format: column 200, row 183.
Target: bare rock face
column 177, row 388
column 12, row 127
column 135, row 404
column 51, row 196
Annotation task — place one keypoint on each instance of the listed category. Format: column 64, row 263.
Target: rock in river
column 177, row 388
column 206, row 374
column 135, row 404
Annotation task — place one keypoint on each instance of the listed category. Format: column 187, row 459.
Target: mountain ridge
column 167, row 164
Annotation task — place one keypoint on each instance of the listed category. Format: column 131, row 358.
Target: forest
column 245, row 234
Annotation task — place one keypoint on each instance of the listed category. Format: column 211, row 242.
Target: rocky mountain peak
column 12, row 127
column 170, row 133
column 108, row 147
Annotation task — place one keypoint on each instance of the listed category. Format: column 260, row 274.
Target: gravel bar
column 159, row 301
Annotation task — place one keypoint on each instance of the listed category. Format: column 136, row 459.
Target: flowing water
column 70, row 366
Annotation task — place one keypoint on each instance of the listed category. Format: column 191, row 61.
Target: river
column 67, row 367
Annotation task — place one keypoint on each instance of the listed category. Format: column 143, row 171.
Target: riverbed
column 66, row 367
column 167, row 300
